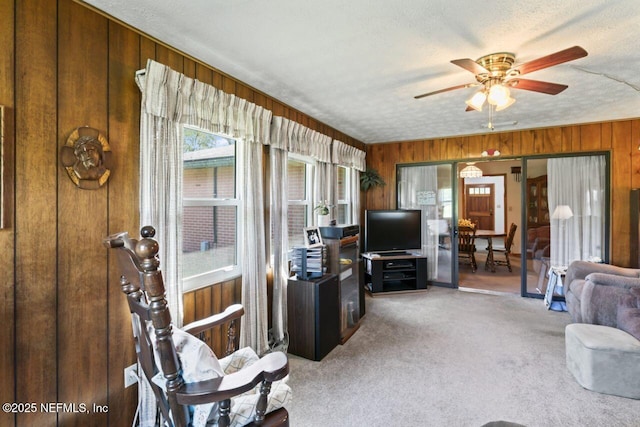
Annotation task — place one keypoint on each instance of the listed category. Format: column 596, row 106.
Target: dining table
column 489, row 235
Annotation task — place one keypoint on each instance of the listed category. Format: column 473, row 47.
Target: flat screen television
column 394, row 231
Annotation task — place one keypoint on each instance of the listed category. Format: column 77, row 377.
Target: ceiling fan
column 496, row 74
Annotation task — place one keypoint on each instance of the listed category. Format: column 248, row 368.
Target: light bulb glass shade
column 477, row 100
column 505, row 105
column 471, row 171
column 498, row 94
column 562, row 212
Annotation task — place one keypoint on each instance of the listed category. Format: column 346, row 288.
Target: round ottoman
column 604, row 359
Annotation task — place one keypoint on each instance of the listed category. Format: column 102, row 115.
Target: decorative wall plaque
column 87, row 158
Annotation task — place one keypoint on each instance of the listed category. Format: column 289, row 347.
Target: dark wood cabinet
column 343, row 260
column 394, row 273
column 537, row 202
column 313, row 312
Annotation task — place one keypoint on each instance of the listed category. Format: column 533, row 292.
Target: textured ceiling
column 356, row 65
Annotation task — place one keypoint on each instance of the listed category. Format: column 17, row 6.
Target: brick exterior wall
column 209, row 227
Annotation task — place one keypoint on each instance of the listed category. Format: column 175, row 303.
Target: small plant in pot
column 371, row 179
column 323, row 210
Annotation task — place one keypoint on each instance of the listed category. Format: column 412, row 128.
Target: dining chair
column 467, row 247
column 508, row 243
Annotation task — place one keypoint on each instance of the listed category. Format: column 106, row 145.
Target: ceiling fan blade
column 536, row 86
column 566, row 55
column 446, row 90
column 470, row 65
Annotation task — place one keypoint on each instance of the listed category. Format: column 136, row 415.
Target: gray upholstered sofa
column 593, row 291
column 603, row 345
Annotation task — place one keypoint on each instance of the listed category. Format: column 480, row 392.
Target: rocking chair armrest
column 272, row 367
column 232, row 312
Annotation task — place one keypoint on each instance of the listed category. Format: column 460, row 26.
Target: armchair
column 191, row 386
column 593, row 291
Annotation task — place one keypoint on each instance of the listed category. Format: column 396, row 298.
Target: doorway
column 491, row 202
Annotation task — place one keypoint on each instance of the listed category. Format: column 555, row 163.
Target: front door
column 479, row 203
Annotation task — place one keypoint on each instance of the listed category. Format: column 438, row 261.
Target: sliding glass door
column 560, row 205
column 430, row 189
column 567, row 214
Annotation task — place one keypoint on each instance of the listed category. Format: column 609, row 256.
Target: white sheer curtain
column 170, row 100
column 281, row 131
column 354, row 196
column 161, row 175
column 579, row 184
column 414, row 183
column 254, row 331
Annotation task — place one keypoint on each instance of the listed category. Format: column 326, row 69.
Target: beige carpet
column 450, row 358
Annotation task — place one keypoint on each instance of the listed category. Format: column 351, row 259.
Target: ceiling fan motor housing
column 498, row 64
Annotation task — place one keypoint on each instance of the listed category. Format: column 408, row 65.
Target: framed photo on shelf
column 312, row 237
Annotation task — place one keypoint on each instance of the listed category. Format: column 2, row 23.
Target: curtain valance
column 295, row 138
column 348, row 156
column 171, row 95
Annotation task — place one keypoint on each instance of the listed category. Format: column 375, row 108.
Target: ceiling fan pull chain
column 490, row 124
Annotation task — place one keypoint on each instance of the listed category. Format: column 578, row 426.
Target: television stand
column 384, row 273
column 393, row 253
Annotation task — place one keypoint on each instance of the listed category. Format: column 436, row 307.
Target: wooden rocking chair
column 143, row 285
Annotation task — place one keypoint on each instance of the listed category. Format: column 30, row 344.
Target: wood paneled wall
column 620, row 138
column 65, row 330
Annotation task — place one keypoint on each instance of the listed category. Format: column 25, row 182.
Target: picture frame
column 312, row 237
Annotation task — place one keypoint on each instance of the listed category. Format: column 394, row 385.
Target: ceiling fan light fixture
column 509, row 102
column 498, row 95
column 477, row 100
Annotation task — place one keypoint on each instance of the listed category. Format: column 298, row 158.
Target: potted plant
column 371, row 179
column 323, row 209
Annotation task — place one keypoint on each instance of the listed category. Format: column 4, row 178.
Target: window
column 343, row 211
column 211, row 209
column 300, row 173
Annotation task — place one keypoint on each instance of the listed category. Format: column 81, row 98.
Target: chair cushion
column 200, row 363
column 197, row 360
column 243, row 407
